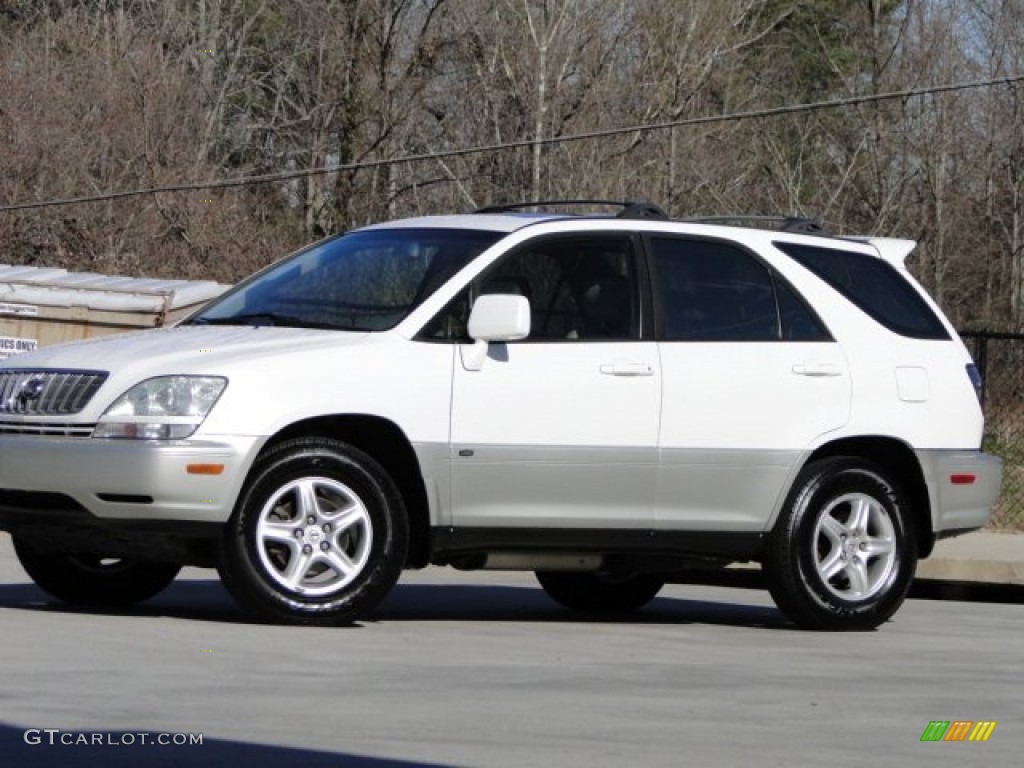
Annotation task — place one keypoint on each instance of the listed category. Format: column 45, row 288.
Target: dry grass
column 1007, row 440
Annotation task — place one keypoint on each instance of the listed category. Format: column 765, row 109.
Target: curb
column 969, row 571
column 980, row 557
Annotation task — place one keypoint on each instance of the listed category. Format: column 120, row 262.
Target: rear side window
column 874, row 286
column 712, row 291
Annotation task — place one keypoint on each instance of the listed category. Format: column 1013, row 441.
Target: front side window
column 363, row 281
column 579, row 288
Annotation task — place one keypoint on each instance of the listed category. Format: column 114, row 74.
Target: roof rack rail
column 631, row 209
column 795, row 224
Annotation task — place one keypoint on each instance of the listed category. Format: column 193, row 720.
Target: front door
column 560, row 430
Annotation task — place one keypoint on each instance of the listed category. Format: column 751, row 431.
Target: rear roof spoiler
column 892, row 249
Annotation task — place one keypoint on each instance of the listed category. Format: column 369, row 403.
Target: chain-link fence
column 1000, row 359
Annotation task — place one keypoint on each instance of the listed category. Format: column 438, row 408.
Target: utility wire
column 269, row 178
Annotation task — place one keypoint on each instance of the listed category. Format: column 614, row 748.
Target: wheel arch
column 386, row 443
column 899, row 458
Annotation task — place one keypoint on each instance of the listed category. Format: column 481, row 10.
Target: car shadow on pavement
column 972, row 592
column 419, row 602
column 206, row 600
column 921, row 589
column 42, row 746
column 194, row 599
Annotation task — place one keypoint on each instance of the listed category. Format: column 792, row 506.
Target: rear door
column 751, row 379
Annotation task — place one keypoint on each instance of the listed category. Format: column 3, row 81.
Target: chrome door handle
column 817, row 370
column 627, row 369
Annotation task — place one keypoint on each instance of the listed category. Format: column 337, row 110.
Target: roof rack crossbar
column 631, row 209
column 795, row 224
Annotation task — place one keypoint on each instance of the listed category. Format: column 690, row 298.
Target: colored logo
column 958, row 730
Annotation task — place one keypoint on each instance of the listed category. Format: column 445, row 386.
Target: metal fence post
column 981, row 361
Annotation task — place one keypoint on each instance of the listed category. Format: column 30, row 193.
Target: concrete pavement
column 482, row 670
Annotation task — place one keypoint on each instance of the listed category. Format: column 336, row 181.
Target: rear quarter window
column 874, row 286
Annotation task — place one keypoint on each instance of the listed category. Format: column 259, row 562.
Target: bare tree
column 121, row 94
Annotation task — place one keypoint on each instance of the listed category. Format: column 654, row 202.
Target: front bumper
column 121, row 480
column 963, row 487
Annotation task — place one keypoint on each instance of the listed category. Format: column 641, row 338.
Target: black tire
column 319, row 535
column 842, row 555
column 600, row 593
column 80, row 579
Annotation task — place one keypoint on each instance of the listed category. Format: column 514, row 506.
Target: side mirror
column 495, row 317
column 500, row 317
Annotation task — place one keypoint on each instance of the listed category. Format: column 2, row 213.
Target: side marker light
column 204, row 469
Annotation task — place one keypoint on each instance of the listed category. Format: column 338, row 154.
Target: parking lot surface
column 472, row 669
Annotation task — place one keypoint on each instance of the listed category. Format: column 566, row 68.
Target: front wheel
column 600, row 592
column 319, row 535
column 841, row 556
column 85, row 579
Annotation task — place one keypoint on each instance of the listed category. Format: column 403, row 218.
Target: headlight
column 164, row 408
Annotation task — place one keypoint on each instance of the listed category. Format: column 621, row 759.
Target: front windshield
column 363, row 281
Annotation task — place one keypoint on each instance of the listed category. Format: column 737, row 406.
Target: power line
column 269, row 178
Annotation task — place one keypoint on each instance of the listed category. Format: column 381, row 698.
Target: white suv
column 605, row 400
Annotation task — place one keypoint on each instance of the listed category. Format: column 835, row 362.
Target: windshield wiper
column 257, row 319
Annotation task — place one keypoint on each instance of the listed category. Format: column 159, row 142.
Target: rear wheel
column 319, row 535
column 600, row 592
column 86, row 579
column 841, row 556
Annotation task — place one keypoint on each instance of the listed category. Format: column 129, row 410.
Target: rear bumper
column 963, row 487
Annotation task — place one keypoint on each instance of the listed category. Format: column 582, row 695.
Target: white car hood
column 183, row 349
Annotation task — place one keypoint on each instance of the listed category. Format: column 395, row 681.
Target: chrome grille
column 47, row 393
column 46, row 429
